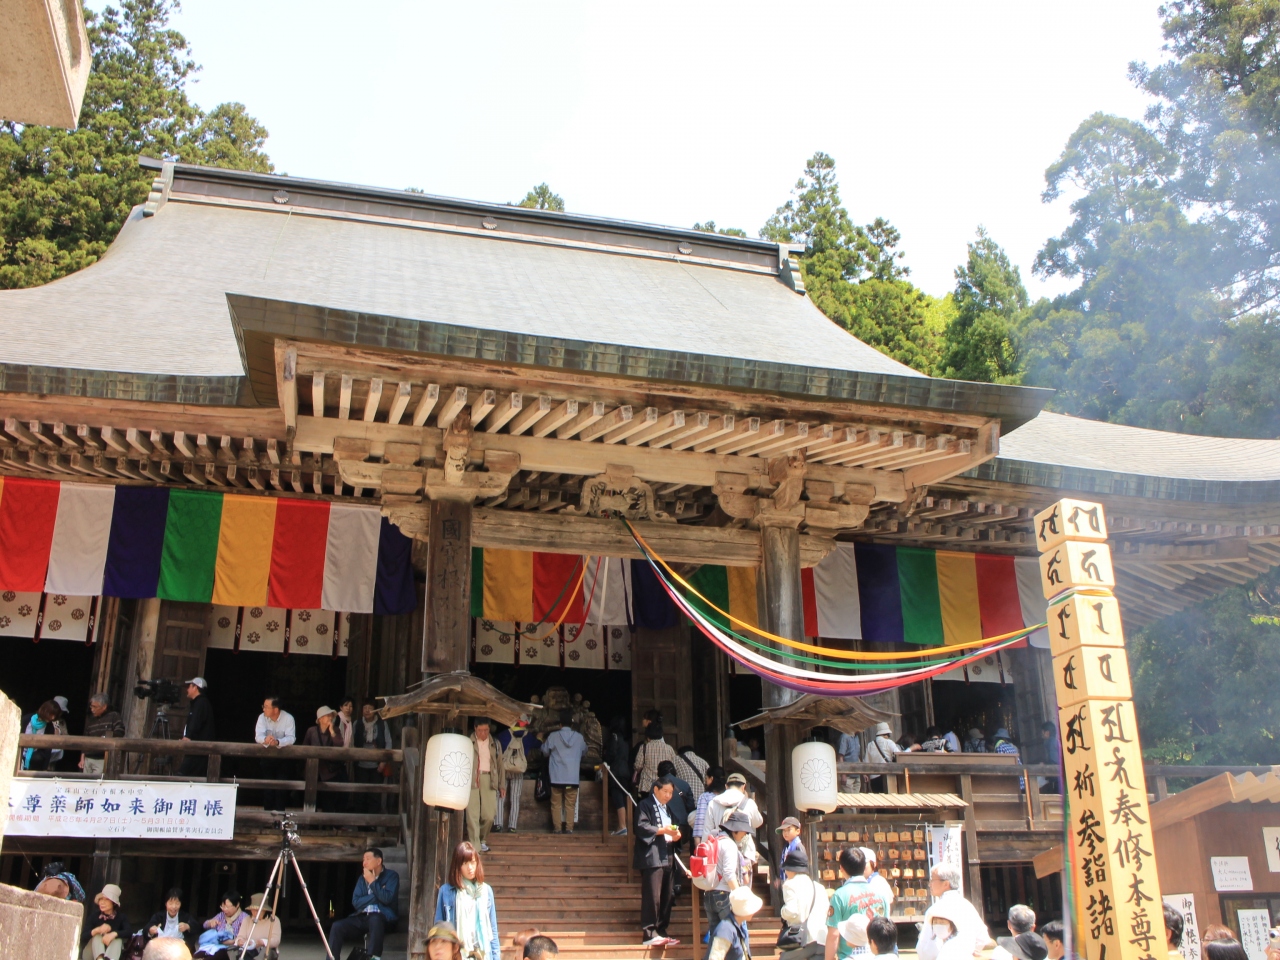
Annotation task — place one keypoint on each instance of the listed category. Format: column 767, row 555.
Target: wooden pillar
column 143, row 654
column 782, row 613
column 446, row 643
column 447, row 619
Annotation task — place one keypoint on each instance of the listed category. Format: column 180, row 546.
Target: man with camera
column 199, row 727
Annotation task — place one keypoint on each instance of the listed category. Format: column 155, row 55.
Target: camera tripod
column 289, row 836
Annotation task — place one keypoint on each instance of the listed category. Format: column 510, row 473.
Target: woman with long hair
column 467, row 903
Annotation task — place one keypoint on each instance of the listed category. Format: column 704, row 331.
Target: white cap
column 324, row 712
column 199, row 682
column 854, row 930
column 869, row 854
column 62, row 702
column 744, row 903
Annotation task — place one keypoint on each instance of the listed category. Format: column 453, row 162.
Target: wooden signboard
column 1113, row 868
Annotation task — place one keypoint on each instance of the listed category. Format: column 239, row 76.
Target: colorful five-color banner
column 200, row 546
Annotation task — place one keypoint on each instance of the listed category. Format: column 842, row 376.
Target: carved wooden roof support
column 453, row 695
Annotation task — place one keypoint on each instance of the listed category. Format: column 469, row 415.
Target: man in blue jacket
column 375, row 907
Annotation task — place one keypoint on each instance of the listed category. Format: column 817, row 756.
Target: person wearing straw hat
column 730, row 939
column 325, row 733
column 443, row 942
column 105, row 935
column 881, row 749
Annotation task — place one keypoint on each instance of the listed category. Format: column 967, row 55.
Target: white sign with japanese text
column 1271, row 840
column 1185, row 904
column 121, row 808
column 1231, row 873
column 1255, row 932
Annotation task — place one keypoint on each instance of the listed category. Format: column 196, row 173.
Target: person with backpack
column 719, row 867
column 881, row 749
column 516, row 745
column 733, row 798
column 653, row 750
column 617, row 754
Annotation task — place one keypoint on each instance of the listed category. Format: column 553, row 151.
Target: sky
column 940, row 115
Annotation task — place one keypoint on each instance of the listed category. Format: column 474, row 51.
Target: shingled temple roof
column 151, row 320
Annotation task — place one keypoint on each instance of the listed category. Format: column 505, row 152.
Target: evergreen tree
column 65, row 194
column 854, row 273
column 979, row 341
column 542, row 197
column 710, row 227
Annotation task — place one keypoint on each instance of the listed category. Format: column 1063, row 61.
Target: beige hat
column 744, row 903
column 111, row 892
column 324, row 712
column 256, row 901
column 854, row 930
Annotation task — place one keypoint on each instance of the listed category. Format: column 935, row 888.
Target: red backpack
column 703, row 864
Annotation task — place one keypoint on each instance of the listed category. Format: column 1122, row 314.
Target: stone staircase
column 575, row 890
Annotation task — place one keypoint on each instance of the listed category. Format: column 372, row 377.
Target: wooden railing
column 130, row 759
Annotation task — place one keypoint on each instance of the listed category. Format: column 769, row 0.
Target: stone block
column 37, row 927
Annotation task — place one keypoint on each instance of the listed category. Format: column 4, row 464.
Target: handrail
column 203, row 747
column 951, row 769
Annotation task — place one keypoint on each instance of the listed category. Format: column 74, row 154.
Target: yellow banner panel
column 244, row 551
column 508, row 585
column 958, row 597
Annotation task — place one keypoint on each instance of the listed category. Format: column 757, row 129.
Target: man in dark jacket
column 654, row 834
column 681, row 803
column 199, row 727
column 370, row 731
column 173, row 921
column 102, row 722
column 374, row 899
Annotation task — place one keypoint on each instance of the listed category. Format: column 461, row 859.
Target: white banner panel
column 584, row 646
column 495, row 641
column 1185, row 904
column 262, row 628
column 121, row 808
column 65, row 617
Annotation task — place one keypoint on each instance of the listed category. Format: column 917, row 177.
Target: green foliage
column 1204, row 680
column 65, row 194
column 853, row 273
column 542, row 197
column 710, row 227
column 979, row 341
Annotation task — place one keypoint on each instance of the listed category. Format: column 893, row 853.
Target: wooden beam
column 317, row 394
column 744, row 434
column 506, row 409
column 372, row 399
column 426, row 403
column 716, row 427
column 485, row 401
column 660, row 427
column 451, row 407
column 648, row 417
column 587, row 415
column 532, row 530
column 344, row 397
column 556, row 418
column 585, row 459
column 530, row 415
column 287, row 382
column 619, row 417
column 401, row 401
column 694, row 425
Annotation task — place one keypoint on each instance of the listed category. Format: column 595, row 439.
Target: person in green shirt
column 855, row 896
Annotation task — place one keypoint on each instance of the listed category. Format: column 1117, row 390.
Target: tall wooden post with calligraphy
column 1113, row 868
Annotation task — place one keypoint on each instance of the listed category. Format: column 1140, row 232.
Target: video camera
column 167, row 692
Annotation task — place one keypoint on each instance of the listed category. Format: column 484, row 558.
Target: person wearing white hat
column 104, row 935
column 199, row 726
column 325, row 733
column 60, row 728
column 878, row 883
column 947, row 921
column 881, row 749
column 971, row 932
column 730, row 939
column 853, row 931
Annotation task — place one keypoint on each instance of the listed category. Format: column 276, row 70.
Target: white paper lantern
column 813, row 777
column 446, row 771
